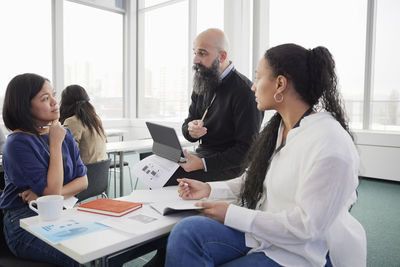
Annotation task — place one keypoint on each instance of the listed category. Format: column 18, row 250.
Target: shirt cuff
column 220, row 190
column 205, row 165
column 240, row 218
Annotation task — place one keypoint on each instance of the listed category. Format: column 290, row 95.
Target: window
column 25, row 27
column 93, row 56
column 164, row 53
column 210, row 14
column 149, row 3
column 163, row 62
column 338, row 25
column 386, row 82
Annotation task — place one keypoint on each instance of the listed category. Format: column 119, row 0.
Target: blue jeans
column 201, row 241
column 25, row 245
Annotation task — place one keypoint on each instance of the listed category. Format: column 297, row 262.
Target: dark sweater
column 232, row 122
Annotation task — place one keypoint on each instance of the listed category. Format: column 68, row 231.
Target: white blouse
column 310, row 186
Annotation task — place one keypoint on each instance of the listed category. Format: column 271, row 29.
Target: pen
column 48, row 126
column 205, row 112
column 204, row 115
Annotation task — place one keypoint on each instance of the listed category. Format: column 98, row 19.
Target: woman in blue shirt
column 40, row 158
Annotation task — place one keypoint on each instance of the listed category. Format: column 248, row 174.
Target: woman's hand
column 56, row 133
column 214, row 210
column 193, row 189
column 27, row 196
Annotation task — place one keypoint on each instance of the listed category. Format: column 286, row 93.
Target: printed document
column 59, row 231
column 154, row 171
column 146, row 220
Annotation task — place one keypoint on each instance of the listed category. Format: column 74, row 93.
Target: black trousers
column 203, row 176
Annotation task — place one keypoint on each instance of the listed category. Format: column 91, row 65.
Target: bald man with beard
column 232, row 119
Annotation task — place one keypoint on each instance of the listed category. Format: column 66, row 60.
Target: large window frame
column 261, row 38
column 129, row 56
column 238, row 31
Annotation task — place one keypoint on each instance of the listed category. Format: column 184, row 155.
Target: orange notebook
column 110, row 207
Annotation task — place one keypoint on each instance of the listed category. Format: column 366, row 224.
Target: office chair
column 97, row 174
column 8, row 259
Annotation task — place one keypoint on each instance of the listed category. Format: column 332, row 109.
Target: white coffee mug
column 48, row 207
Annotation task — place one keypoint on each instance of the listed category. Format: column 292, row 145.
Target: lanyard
column 308, row 112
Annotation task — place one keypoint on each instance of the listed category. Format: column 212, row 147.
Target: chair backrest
column 3, row 246
column 97, row 174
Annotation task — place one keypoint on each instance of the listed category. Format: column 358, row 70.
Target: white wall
column 379, row 154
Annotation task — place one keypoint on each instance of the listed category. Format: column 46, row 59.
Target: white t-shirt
column 310, row 186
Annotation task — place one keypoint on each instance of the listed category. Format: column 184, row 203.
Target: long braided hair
column 312, row 73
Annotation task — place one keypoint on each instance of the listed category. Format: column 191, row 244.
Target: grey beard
column 207, row 80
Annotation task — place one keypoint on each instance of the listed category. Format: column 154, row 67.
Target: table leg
column 115, row 176
column 121, row 173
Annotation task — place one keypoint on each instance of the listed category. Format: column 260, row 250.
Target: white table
column 135, row 146
column 111, row 245
column 116, row 133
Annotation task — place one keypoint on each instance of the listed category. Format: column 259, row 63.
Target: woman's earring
column 278, row 97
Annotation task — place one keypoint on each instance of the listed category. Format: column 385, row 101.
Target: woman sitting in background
column 85, row 125
column 301, row 179
column 39, row 158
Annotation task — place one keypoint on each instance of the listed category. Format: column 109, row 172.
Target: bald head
column 214, row 37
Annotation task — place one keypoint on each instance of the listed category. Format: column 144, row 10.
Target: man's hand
column 27, row 196
column 193, row 163
column 196, row 129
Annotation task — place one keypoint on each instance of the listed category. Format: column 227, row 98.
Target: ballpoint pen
column 204, row 115
column 205, row 112
column 48, row 126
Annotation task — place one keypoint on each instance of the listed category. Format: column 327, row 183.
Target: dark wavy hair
column 17, row 102
column 75, row 101
column 312, row 73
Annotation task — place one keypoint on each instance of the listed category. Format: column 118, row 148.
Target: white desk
column 135, row 146
column 107, row 245
column 116, row 133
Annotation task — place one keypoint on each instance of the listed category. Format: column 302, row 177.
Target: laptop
column 165, row 142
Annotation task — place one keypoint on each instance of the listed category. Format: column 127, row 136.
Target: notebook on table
column 165, row 142
column 110, row 207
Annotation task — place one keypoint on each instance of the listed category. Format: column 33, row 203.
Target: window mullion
column 57, row 45
column 192, row 18
column 369, row 63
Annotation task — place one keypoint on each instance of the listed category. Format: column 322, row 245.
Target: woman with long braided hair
column 300, row 180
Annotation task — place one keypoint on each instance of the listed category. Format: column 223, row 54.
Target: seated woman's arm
column 322, row 195
column 74, row 187
column 55, row 173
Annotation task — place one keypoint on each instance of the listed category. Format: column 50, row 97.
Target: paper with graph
column 154, row 171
